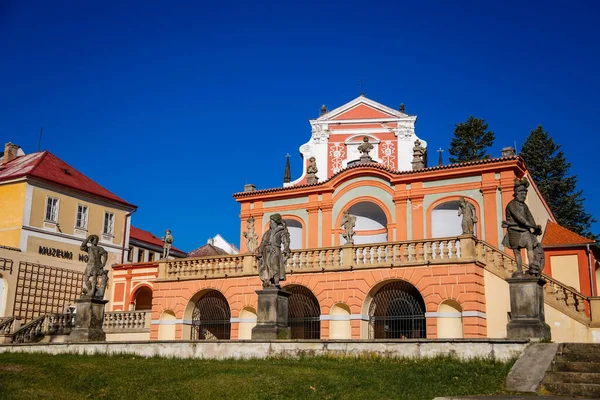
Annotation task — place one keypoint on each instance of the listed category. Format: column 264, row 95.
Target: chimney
column 10, row 152
column 249, row 187
column 508, row 151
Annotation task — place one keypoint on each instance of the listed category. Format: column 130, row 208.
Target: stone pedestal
column 88, row 321
column 527, row 309
column 272, row 321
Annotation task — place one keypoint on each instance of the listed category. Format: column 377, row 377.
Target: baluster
column 429, row 253
column 453, row 250
column 337, row 257
column 420, row 252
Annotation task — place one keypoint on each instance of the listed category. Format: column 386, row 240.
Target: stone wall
column 463, row 349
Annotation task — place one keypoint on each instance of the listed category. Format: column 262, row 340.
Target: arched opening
column 211, row 317
column 371, row 223
column 304, row 313
column 450, row 324
column 2, row 296
column 445, row 221
column 143, row 299
column 339, row 322
column 397, row 311
column 247, row 322
column 166, row 329
column 295, row 230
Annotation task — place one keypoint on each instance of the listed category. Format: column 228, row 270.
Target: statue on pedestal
column 469, row 217
column 521, row 231
column 273, row 253
column 311, row 171
column 168, row 241
column 250, row 235
column 364, row 149
column 418, row 161
column 97, row 258
column 348, row 223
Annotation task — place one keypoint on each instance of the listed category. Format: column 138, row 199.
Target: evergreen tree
column 549, row 169
column 471, row 140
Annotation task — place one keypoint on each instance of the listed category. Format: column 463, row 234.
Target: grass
column 42, row 376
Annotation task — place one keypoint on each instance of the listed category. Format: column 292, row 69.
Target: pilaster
column 489, row 189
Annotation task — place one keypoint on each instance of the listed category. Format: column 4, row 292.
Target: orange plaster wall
column 462, row 283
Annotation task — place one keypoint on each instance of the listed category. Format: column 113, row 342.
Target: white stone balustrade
column 126, row 321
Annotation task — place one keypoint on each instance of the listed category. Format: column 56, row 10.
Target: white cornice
column 361, row 100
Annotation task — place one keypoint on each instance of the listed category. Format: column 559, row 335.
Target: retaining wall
column 460, row 348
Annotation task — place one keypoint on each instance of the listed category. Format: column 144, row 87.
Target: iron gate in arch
column 211, row 318
column 397, row 311
column 304, row 313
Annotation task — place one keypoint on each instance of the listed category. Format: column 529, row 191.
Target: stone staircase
column 575, row 371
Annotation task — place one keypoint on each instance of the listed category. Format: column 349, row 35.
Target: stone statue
column 418, row 161
column 168, row 241
column 94, row 269
column 469, row 217
column 273, row 253
column 364, row 149
column 348, row 223
column 521, row 231
column 250, row 235
column 311, row 171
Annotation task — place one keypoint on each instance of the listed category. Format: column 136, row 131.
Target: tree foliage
column 471, row 141
column 550, row 171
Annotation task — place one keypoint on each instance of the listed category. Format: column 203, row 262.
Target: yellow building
column 47, row 208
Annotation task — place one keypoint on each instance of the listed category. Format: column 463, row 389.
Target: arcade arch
column 142, row 298
column 396, row 310
column 371, row 223
column 210, row 316
column 444, row 218
column 304, row 313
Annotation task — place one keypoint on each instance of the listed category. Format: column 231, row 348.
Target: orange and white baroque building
column 410, row 272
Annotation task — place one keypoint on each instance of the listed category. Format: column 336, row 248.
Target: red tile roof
column 46, row 166
column 207, row 250
column 380, row 167
column 556, row 235
column 147, row 237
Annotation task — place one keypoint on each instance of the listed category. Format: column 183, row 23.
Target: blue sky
column 174, row 106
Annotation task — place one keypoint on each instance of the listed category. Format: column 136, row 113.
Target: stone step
column 572, row 377
column 574, row 389
column 575, row 366
column 577, row 356
column 580, row 348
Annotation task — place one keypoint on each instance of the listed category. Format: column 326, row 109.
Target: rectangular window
column 109, row 223
column 130, row 255
column 140, row 257
column 151, row 256
column 82, row 217
column 52, row 209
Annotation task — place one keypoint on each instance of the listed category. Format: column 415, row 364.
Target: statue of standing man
column 273, row 253
column 97, row 258
column 469, row 217
column 348, row 223
column 168, row 242
column 521, row 231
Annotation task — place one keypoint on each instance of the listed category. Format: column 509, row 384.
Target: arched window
column 445, row 221
column 247, row 322
column 166, row 329
column 304, row 313
column 295, row 230
column 211, row 318
column 143, row 299
column 371, row 223
column 339, row 322
column 397, row 311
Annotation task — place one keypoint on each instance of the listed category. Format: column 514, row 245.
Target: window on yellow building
column 109, row 223
column 82, row 217
column 52, row 209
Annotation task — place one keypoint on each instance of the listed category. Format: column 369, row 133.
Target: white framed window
column 81, row 221
column 51, row 209
column 109, row 223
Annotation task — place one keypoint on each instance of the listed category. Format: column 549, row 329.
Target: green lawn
column 41, row 376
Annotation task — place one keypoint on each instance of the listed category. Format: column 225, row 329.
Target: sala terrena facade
column 409, row 273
